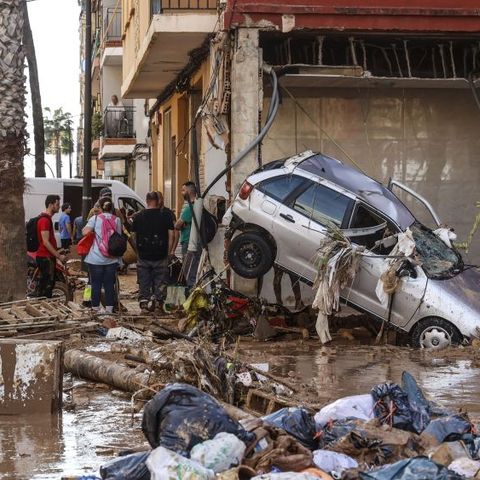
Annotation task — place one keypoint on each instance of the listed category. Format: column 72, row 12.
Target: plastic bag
column 333, row 461
column 448, row 429
column 392, row 407
column 412, row 469
column 167, row 465
column 181, row 416
column 356, row 406
column 285, row 476
column 337, row 429
column 465, row 466
column 297, row 422
column 129, row 467
column 220, row 454
column 419, row 405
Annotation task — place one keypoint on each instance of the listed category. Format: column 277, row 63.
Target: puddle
column 451, row 377
column 50, row 447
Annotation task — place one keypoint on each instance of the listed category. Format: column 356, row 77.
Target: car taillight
column 245, row 190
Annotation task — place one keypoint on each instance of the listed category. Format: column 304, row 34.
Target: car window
column 322, row 204
column 363, row 217
column 128, row 203
column 281, row 187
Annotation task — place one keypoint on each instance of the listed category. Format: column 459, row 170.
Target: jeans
column 46, row 265
column 103, row 276
column 152, row 278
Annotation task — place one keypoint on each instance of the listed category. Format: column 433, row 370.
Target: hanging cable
column 272, row 112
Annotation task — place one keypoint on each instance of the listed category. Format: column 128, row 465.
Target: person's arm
column 46, row 241
column 171, row 240
column 185, row 218
column 176, row 238
column 69, row 229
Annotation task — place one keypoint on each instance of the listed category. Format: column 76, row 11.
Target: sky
column 55, row 26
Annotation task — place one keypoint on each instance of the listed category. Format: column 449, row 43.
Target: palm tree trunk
column 37, row 111
column 58, row 154
column 12, row 149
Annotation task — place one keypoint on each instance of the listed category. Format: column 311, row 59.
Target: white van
column 70, row 191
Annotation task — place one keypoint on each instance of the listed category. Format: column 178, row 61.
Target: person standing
column 153, row 229
column 191, row 258
column 78, row 225
column 65, row 226
column 47, row 252
column 102, row 267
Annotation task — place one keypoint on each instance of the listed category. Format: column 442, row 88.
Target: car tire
column 435, row 333
column 61, row 291
column 250, row 255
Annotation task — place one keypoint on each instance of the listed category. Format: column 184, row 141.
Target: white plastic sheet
column 332, row 461
column 357, row 406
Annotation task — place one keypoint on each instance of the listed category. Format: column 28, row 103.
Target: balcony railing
column 159, row 6
column 118, row 122
column 112, row 25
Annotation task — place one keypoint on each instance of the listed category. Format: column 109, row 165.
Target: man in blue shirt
column 65, row 226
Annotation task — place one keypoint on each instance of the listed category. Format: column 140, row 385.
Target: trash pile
column 391, row 433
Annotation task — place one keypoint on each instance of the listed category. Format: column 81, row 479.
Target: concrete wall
column 111, row 84
column 425, row 138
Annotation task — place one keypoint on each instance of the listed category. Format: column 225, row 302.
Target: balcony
column 118, row 132
column 169, row 31
column 112, row 37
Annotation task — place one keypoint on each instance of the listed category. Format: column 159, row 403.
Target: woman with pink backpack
column 105, row 254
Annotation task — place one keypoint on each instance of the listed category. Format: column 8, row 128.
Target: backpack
column 208, row 226
column 112, row 243
column 33, row 242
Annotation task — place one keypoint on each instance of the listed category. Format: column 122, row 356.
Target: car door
column 408, row 296
column 300, row 225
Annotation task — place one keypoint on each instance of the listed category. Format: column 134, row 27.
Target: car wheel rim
column 435, row 337
column 249, row 255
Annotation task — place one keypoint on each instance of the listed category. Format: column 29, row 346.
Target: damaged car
column 283, row 213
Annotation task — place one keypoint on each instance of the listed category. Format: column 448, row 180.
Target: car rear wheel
column 435, row 333
column 250, row 255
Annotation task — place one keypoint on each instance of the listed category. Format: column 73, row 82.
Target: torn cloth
column 338, row 261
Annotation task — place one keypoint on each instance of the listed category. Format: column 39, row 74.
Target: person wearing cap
column 95, row 210
column 153, row 229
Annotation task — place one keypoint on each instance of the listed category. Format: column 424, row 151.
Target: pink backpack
column 108, row 228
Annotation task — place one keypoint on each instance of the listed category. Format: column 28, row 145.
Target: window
column 127, row 203
column 322, row 205
column 281, row 187
column 365, row 218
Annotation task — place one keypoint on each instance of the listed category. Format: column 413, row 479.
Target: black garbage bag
column 337, row 429
column 392, row 407
column 419, row 405
column 298, row 423
column 449, row 429
column 129, row 467
column 472, row 443
column 180, row 416
column 412, row 469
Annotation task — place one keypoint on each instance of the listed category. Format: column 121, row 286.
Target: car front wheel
column 250, row 255
column 435, row 333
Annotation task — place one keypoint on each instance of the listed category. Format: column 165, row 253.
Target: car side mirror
column 406, row 269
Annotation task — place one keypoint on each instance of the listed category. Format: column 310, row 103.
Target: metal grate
column 159, row 6
column 118, row 122
column 112, row 24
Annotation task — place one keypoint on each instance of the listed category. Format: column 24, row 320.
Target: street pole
column 70, row 150
column 87, row 115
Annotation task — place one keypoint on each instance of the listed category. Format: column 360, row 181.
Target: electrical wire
column 272, row 112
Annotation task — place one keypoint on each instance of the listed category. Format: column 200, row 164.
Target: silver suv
column 281, row 215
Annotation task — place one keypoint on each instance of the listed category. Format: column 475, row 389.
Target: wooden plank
column 33, row 311
column 6, row 317
column 20, row 313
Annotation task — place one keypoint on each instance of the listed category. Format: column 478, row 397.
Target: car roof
column 356, row 182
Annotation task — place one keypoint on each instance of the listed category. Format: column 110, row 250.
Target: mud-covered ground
column 79, row 440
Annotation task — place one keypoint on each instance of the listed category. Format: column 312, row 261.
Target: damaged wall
column 426, row 138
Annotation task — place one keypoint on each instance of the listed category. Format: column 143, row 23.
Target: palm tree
column 58, row 135
column 37, row 114
column 12, row 149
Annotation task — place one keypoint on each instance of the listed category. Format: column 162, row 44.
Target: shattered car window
column 280, row 188
column 438, row 260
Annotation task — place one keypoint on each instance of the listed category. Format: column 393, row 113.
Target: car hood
column 465, row 286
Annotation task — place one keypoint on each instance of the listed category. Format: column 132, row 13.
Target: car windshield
column 438, row 260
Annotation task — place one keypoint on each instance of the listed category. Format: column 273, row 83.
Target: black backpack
column 117, row 244
column 32, row 234
column 208, row 227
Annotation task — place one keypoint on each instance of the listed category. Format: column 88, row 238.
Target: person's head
column 106, row 192
column 67, row 208
column 189, row 191
column 161, row 200
column 52, row 203
column 152, row 200
column 106, row 204
column 114, row 99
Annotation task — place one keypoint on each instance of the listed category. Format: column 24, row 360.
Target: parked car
column 281, row 216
